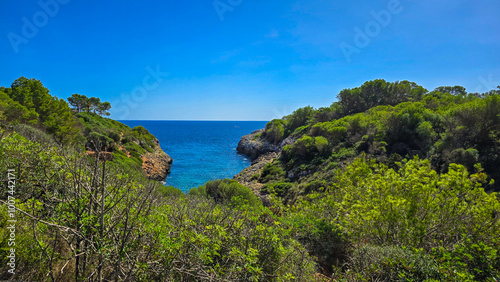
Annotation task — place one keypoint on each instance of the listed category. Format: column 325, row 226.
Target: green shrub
column 143, row 132
column 114, row 135
column 99, row 142
column 34, row 134
column 468, row 157
column 230, row 192
column 300, row 131
column 476, row 259
column 298, row 118
column 255, row 177
column 306, row 148
column 169, row 191
column 200, row 241
column 133, row 147
column 278, row 188
column 27, row 251
column 326, row 243
column 334, row 131
column 404, row 207
column 390, row 263
column 135, row 154
column 272, row 171
column 313, row 186
column 274, row 131
column 198, row 192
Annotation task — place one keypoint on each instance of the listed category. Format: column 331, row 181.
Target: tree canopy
column 28, row 101
column 82, row 103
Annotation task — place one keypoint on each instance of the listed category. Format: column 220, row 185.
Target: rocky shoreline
column 249, row 176
column 252, row 145
column 156, row 165
column 261, row 152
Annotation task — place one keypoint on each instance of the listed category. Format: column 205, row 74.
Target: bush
column 198, row 192
column 298, row 118
column 327, row 244
column 468, row 157
column 274, row 131
column 334, row 131
column 230, row 192
column 34, row 134
column 306, row 148
column 476, row 259
column 278, row 188
column 114, row 135
column 169, row 191
column 99, row 142
column 390, row 263
column 200, row 241
column 313, row 186
column 272, row 171
column 406, row 207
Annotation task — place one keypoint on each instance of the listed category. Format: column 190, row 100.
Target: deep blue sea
column 202, row 150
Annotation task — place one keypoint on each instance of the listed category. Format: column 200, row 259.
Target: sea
column 202, row 150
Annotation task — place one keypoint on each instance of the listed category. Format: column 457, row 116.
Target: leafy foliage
column 28, row 101
column 127, row 145
column 383, row 185
column 412, row 207
column 392, row 121
column 83, row 219
column 228, row 192
column 208, row 242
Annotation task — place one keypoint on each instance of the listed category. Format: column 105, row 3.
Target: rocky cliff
column 157, row 164
column 253, row 145
column 250, row 175
column 261, row 152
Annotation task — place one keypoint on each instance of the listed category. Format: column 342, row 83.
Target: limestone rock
column 157, row 164
column 249, row 176
column 253, row 146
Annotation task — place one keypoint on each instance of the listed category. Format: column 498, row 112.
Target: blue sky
column 244, row 59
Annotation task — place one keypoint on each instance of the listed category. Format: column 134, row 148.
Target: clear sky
column 244, row 59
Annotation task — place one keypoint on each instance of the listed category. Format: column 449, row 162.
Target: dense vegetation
column 88, row 218
column 390, row 122
column 27, row 105
column 27, row 101
column 392, row 179
column 383, row 185
column 84, row 218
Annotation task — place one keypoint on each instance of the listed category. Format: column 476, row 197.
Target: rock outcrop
column 253, row 145
column 102, row 155
column 157, row 164
column 250, row 175
column 261, row 152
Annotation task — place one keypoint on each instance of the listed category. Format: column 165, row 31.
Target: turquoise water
column 202, row 150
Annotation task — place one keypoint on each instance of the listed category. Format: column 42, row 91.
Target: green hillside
column 387, row 122
column 383, row 185
column 390, row 183
column 27, row 106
